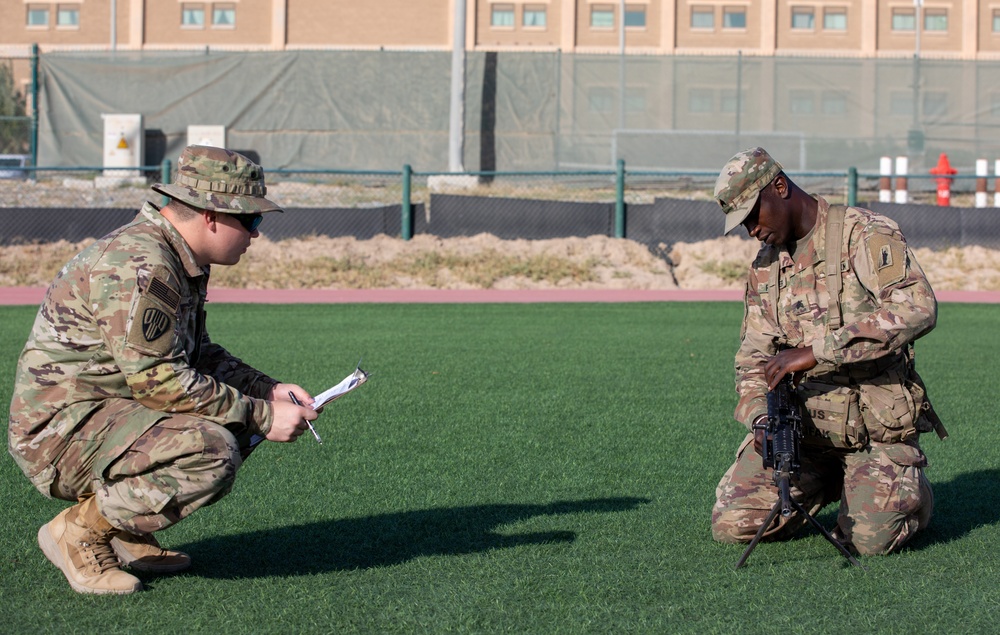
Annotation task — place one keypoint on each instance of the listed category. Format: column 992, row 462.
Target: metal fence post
column 165, row 171
column 620, row 199
column 407, row 208
column 852, row 186
column 34, row 107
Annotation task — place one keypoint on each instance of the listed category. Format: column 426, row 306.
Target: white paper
column 346, row 385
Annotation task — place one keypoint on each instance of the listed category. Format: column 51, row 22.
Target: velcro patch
column 888, row 259
column 153, row 318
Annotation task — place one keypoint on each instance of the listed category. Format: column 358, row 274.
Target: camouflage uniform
column 119, row 390
column 864, row 404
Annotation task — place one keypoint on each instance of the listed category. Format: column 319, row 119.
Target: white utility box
column 214, row 136
column 123, row 138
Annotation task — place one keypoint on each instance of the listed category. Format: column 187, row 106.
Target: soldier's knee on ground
column 880, row 541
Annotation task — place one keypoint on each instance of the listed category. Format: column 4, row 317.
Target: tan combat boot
column 144, row 553
column 78, row 541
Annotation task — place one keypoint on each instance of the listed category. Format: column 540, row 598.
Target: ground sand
column 596, row 262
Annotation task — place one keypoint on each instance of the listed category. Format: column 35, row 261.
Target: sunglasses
column 250, row 222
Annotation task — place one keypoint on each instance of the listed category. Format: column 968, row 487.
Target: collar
column 152, row 214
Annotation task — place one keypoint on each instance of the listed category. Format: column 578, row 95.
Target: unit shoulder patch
column 887, row 257
column 153, row 317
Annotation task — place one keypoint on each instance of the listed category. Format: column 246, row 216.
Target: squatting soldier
column 122, row 402
column 835, row 298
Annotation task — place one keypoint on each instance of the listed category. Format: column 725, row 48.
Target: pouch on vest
column 831, row 416
column 888, row 409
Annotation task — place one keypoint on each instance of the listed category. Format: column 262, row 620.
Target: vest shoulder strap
column 834, row 257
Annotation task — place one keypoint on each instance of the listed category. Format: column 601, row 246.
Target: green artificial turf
column 540, row 468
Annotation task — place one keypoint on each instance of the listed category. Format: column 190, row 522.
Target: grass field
column 540, row 468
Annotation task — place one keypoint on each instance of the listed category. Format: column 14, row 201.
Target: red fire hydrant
column 943, row 171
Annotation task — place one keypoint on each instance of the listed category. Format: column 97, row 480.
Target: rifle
column 782, row 438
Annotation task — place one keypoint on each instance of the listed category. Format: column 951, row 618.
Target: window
column 995, row 105
column 534, row 15
column 601, row 100
column 730, row 102
column 193, row 16
column 904, row 20
column 901, row 103
column 502, row 16
column 803, row 18
column 835, row 19
column 734, row 18
column 602, row 16
column 68, row 16
column 635, row 100
column 936, row 104
column 702, row 17
column 996, row 20
column 38, row 16
column 224, row 16
column 635, row 16
column 701, row 100
column 800, row 102
column 936, row 20
column 834, row 102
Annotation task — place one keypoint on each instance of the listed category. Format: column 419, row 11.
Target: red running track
column 34, row 295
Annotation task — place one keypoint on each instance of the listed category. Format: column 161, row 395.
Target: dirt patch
column 487, row 262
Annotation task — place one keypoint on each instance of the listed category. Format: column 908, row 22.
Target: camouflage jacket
column 125, row 319
column 886, row 304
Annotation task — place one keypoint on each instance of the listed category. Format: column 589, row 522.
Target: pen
column 308, row 423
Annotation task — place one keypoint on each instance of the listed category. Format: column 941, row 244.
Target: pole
column 852, row 186
column 165, row 178
column 34, row 107
column 620, row 199
column 456, row 127
column 621, row 64
column 406, row 219
column 114, row 25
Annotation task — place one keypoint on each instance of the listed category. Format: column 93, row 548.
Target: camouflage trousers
column 883, row 492
column 148, row 469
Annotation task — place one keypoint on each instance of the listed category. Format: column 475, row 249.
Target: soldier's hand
column 280, row 393
column 289, row 421
column 790, row 360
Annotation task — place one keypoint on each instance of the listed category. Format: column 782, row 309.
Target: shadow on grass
column 960, row 506
column 383, row 540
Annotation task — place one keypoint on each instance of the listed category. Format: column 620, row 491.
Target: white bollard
column 885, row 180
column 982, row 171
column 902, row 195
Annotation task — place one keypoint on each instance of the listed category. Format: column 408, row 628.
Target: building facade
column 961, row 29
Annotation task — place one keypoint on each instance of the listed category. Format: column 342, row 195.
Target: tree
column 14, row 122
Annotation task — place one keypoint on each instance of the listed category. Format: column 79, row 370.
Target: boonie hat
column 740, row 182
column 219, row 180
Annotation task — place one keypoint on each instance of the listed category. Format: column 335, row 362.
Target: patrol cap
column 740, row 182
column 219, row 180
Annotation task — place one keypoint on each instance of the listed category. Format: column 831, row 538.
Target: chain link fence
column 654, row 208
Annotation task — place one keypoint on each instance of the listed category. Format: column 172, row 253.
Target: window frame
column 908, row 13
column 506, row 9
column 37, row 8
column 800, row 10
column 635, row 10
column 734, row 10
column 224, row 6
column 603, row 10
column 535, row 9
column 702, row 10
column 940, row 13
column 189, row 8
column 840, row 12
